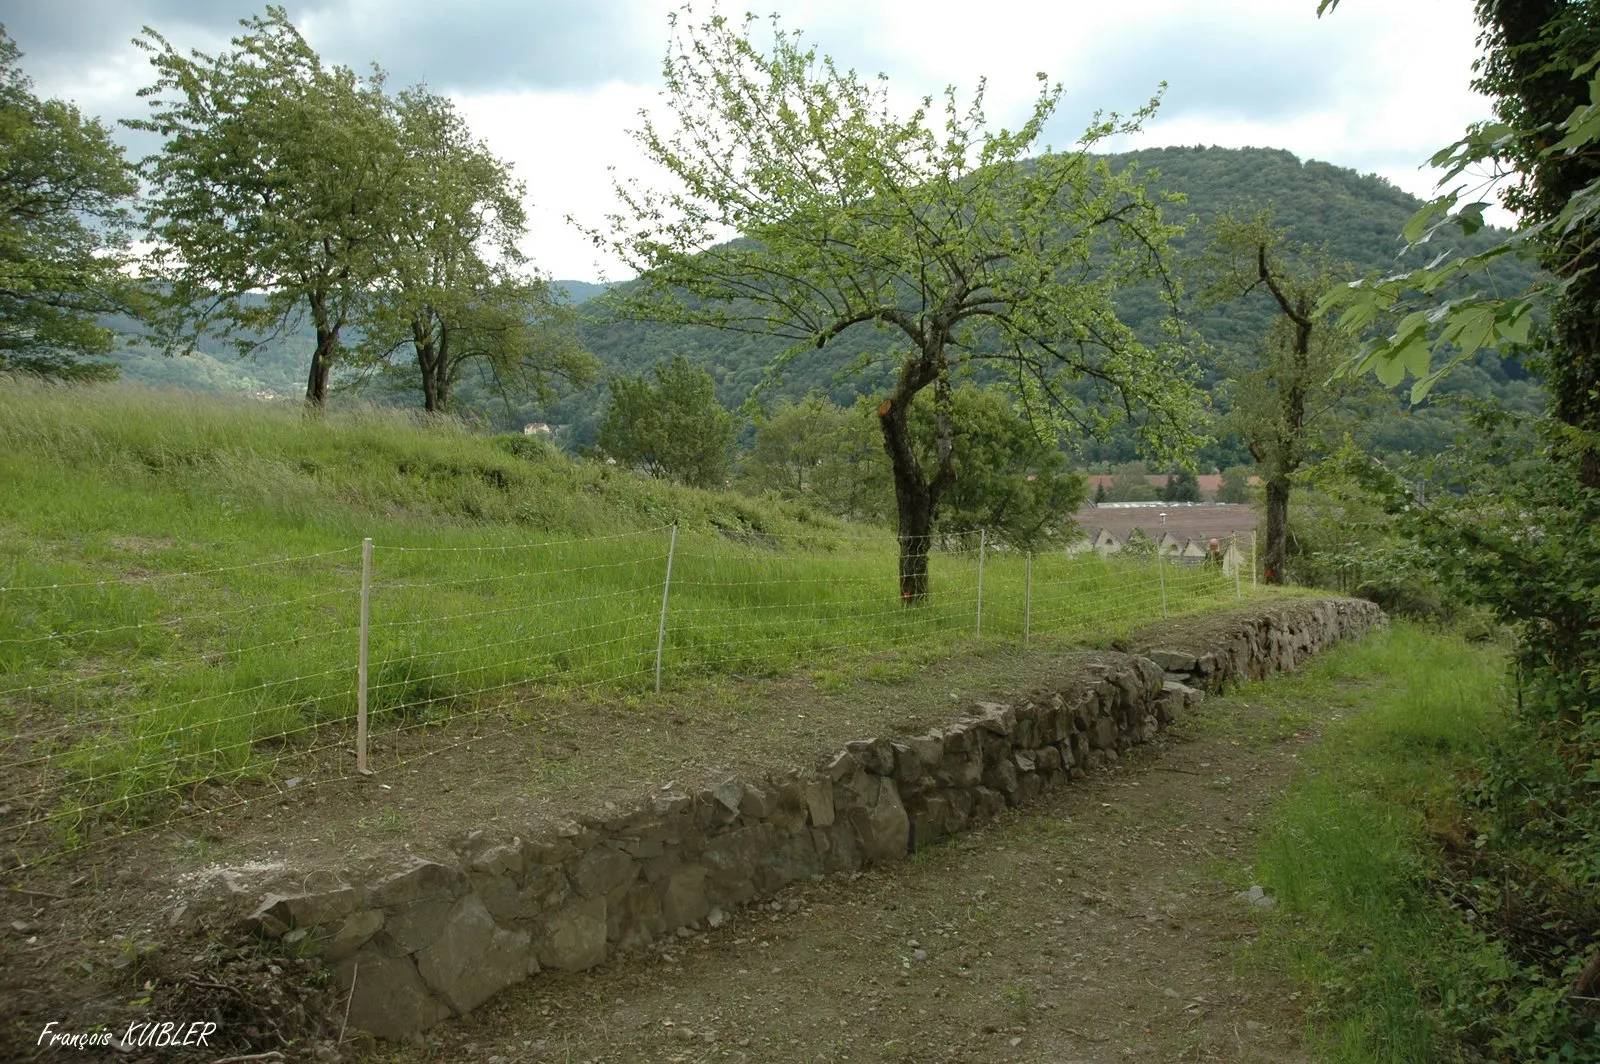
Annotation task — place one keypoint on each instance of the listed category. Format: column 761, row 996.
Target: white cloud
column 1378, row 86
column 561, row 145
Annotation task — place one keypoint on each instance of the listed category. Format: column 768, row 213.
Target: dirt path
column 1100, row 924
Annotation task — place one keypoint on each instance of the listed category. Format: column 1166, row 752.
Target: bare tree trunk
column 321, row 367
column 443, row 372
column 1277, row 528
column 322, row 357
column 913, row 501
column 427, row 365
column 916, row 538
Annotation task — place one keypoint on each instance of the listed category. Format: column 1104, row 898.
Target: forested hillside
column 1357, row 218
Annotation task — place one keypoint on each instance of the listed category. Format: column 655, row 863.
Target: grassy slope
column 152, row 634
column 1364, row 854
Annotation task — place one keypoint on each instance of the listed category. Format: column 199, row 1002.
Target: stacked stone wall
column 437, row 938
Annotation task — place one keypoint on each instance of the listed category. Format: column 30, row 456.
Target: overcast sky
column 553, row 85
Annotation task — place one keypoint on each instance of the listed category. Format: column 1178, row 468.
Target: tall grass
column 180, row 588
column 1353, row 853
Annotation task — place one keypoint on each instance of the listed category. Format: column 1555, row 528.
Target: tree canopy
column 1283, row 406
column 672, row 428
column 930, row 227
column 277, row 176
column 450, row 280
column 64, row 219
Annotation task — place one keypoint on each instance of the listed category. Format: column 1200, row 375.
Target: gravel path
column 1100, row 924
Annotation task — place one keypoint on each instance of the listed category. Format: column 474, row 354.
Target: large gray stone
column 636, row 918
column 504, row 859
column 1172, row 660
column 1002, row 777
column 317, row 909
column 997, row 717
column 962, row 768
column 883, row 828
column 421, row 879
column 843, row 766
column 728, row 793
column 929, row 750
column 474, row 958
column 683, row 897
column 389, row 998
column 417, row 925
column 499, row 895
column 551, row 849
column 794, row 859
column 671, row 803
column 930, row 820
column 819, row 801
column 731, row 860
column 757, row 803
column 908, row 767
column 573, row 937
column 355, row 931
column 602, row 870
column 841, row 850
column 986, row 803
column 874, row 755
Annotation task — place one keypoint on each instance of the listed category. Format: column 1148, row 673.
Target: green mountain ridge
column 1356, row 217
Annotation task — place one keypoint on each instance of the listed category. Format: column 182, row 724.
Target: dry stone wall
column 437, row 938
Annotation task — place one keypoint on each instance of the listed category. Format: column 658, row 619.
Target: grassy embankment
column 152, row 636
column 1373, row 854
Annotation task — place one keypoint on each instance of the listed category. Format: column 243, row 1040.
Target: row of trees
column 669, row 424
column 285, row 190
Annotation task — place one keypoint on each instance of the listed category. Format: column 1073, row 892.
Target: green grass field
column 181, row 588
column 1370, row 918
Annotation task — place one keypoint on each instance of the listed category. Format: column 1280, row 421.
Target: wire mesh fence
column 147, row 697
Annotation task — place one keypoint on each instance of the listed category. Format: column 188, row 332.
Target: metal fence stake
column 666, row 591
column 983, row 539
column 1238, row 577
column 1161, row 575
column 1027, row 596
column 361, row 658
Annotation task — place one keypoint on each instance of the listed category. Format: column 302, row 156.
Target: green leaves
column 64, row 192
column 673, row 428
column 1462, row 326
column 273, row 191
column 929, row 223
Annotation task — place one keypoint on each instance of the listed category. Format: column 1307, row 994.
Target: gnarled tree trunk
column 322, row 357
column 1277, row 528
column 916, row 498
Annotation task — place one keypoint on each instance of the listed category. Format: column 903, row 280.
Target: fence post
column 1238, row 578
column 983, row 539
column 1161, row 575
column 1252, row 559
column 361, row 658
column 666, row 591
column 1027, row 596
